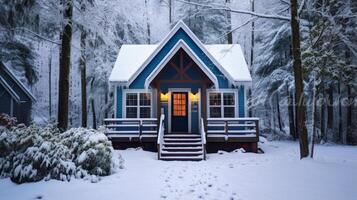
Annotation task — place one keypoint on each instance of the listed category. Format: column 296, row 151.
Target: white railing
column 160, row 135
column 233, row 127
column 203, row 137
column 131, row 127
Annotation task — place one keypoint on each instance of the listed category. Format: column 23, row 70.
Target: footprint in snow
column 39, row 197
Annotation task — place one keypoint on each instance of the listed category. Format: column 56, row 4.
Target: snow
column 278, row 174
column 132, row 57
column 129, row 60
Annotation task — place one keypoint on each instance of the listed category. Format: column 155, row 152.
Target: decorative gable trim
column 181, row 44
column 183, row 26
column 13, row 77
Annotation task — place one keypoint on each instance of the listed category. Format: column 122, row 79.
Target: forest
column 302, row 55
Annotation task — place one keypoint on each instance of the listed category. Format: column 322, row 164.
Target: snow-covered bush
column 7, row 121
column 32, row 153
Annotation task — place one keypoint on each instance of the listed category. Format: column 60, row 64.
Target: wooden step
column 191, row 158
column 189, row 153
column 182, row 136
column 182, row 139
column 182, row 143
column 184, row 148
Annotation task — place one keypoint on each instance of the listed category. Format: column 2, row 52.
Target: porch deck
column 216, row 129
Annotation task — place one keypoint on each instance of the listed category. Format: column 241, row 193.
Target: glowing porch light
column 164, row 96
column 194, row 97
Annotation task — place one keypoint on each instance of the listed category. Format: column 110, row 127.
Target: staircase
column 182, row 146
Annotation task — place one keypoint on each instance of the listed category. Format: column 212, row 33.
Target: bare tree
column 298, row 75
column 65, row 62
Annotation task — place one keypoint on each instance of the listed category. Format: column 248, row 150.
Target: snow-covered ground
column 277, row 174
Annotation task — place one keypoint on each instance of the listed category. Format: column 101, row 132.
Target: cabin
column 182, row 98
column 15, row 99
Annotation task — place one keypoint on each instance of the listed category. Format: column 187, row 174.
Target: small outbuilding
column 15, row 99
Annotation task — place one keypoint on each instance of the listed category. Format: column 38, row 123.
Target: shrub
column 29, row 154
column 7, row 121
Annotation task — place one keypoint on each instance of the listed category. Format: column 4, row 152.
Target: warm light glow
column 194, row 97
column 164, row 97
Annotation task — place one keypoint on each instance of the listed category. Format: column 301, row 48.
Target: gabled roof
column 181, row 44
column 132, row 59
column 13, row 85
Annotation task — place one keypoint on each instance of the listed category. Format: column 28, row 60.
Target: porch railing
column 233, row 127
column 131, row 127
column 160, row 136
column 203, row 137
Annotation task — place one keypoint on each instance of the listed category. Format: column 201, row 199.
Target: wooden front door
column 179, row 112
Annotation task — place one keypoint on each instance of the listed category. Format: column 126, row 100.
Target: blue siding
column 180, row 34
column 194, row 117
column 241, row 100
column 119, row 102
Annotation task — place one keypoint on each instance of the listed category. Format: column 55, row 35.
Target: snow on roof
column 131, row 57
column 129, row 60
column 231, row 57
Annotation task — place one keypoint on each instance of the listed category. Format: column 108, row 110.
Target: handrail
column 160, row 135
column 138, row 126
column 203, row 133
column 243, row 126
column 203, row 138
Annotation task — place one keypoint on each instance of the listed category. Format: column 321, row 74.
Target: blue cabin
column 182, row 97
column 15, row 99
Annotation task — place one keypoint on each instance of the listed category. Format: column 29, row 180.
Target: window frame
column 138, row 106
column 222, row 106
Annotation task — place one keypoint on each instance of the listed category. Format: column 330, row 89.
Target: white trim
column 116, row 101
column 179, row 25
column 245, row 104
column 7, row 87
column 137, row 91
column 199, row 109
column 170, row 91
column 21, row 85
column 222, row 91
column 181, row 44
column 11, row 107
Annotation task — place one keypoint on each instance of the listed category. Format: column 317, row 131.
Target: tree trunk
column 82, row 65
column 250, row 108
column 322, row 114
column 341, row 135
column 349, row 115
column 50, row 85
column 64, row 71
column 229, row 22
column 170, row 11
column 147, row 22
column 330, row 107
column 278, row 112
column 291, row 113
column 315, row 92
column 93, row 114
column 298, row 75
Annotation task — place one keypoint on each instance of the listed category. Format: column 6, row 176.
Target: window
column 228, row 104
column 179, row 106
column 215, row 104
column 138, row 105
column 221, row 104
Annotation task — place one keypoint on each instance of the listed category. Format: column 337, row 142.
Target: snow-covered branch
column 245, row 12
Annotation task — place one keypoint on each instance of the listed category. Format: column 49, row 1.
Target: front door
column 179, row 112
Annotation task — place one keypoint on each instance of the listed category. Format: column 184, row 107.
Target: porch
column 239, row 132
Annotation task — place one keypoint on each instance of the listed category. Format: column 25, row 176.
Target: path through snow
column 276, row 175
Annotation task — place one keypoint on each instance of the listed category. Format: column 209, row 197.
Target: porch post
column 158, row 102
column 204, row 105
